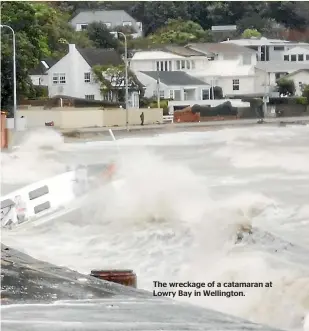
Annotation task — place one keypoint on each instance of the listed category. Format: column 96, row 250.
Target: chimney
column 72, row 48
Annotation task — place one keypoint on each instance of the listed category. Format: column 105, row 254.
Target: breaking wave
column 180, row 209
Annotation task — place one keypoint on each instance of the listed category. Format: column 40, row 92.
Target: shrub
column 163, row 104
column 218, row 93
column 302, row 101
column 306, row 92
column 286, row 86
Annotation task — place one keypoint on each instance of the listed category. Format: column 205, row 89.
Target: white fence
column 168, row 119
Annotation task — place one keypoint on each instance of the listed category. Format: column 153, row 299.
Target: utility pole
column 265, row 86
column 126, row 77
column 158, row 89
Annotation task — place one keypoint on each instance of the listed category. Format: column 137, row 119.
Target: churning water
column 176, row 216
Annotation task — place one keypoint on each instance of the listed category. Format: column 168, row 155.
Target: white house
column 234, row 78
column 226, row 65
column 267, row 74
column 176, row 85
column 168, row 58
column 297, row 54
column 72, row 75
column 111, row 18
column 229, row 66
column 267, row 49
column 225, row 52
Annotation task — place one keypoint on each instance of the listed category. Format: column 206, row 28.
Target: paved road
column 240, row 122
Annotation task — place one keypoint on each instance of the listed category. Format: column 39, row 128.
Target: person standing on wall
column 142, row 118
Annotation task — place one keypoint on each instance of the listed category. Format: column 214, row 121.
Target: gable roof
column 263, row 41
column 297, row 50
column 41, row 68
column 182, row 51
column 216, row 48
column 297, row 71
column 115, row 17
column 172, row 78
column 95, row 56
column 281, row 66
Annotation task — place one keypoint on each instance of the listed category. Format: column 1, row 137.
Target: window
column 293, row 58
column 205, row 94
column 127, row 23
column 307, row 57
column 286, row 58
column 278, row 48
column 164, row 65
column 183, row 64
column 89, row 96
column 108, row 96
column 161, row 93
column 59, row 79
column 171, row 94
column 62, row 79
column 87, row 77
column 178, row 65
column 193, row 64
column 188, row 64
column 55, row 79
column 83, row 27
column 235, row 84
column 300, row 57
column 158, row 66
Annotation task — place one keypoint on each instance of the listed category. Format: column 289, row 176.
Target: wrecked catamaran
column 52, row 196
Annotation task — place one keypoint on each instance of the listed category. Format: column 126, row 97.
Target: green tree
column 112, row 79
column 179, row 32
column 54, row 24
column 31, row 46
column 154, row 14
column 101, row 36
column 41, row 31
column 249, row 33
column 286, row 86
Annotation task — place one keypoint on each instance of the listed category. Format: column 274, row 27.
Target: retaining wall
column 72, row 118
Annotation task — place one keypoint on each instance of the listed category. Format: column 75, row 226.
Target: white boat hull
column 45, row 200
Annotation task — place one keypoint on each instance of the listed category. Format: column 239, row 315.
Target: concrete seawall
column 99, row 133
column 93, row 304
